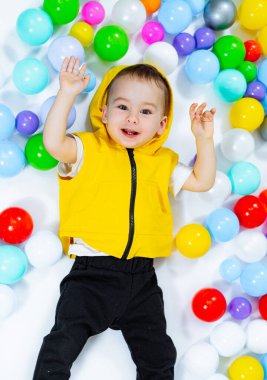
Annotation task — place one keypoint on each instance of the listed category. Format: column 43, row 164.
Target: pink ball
column 93, row 12
column 152, row 32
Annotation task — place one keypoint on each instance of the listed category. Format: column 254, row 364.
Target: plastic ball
column 228, row 338
column 92, row 82
column 252, row 14
column 222, row 224
column 184, row 44
column 36, row 154
column 201, row 360
column 247, row 113
column 30, row 76
column 246, row 367
column 245, row 178
column 63, row 47
column 230, row 269
column 45, row 108
column 34, row 26
column 152, row 32
column 263, row 306
column 27, row 122
column 249, row 70
column 263, row 198
column 196, row 6
column 83, row 32
column 219, row 15
column 220, row 191
column 61, row 11
column 251, row 213
column 12, row 159
column 264, row 105
column 13, row 264
column 230, row 51
column 202, row 66
column 162, row 55
column 209, row 304
column 7, row 122
column 111, row 43
column 262, row 38
column 7, row 301
column 263, row 362
column 262, row 72
column 129, row 15
column 257, row 336
column 255, row 90
column 253, row 279
column 193, row 240
column 240, row 308
column 204, row 37
column 230, row 85
column 151, row 5
column 16, row 225
column 253, row 50
column 175, row 16
column 93, row 12
column 43, row 249
column 250, row 246
column 237, row 144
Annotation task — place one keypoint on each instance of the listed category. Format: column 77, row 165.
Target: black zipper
column 132, row 200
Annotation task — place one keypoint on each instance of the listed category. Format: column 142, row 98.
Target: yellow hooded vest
column 118, row 202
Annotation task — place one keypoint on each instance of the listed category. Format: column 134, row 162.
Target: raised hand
column 201, row 121
column 72, row 79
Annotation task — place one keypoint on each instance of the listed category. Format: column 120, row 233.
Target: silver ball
column 219, row 14
column 263, row 129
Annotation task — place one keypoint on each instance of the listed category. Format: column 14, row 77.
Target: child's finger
column 192, row 110
column 82, row 70
column 65, row 64
column 71, row 65
column 200, row 109
column 76, row 66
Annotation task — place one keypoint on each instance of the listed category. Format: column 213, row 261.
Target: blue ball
column 253, row 279
column 7, row 122
column 202, row 66
column 222, row 224
column 34, row 26
column 263, row 362
column 12, row 159
column 196, row 6
column 92, row 82
column 245, row 178
column 45, row 108
column 230, row 269
column 230, row 85
column 13, row 264
column 175, row 16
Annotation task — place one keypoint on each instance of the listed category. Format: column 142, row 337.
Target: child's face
column 135, row 111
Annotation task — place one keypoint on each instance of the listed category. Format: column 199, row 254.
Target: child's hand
column 201, row 122
column 72, row 79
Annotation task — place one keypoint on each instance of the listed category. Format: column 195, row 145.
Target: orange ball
column 151, row 5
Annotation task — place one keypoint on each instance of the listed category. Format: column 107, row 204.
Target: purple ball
column 239, row 308
column 27, row 122
column 255, row 90
column 184, row 43
column 204, row 38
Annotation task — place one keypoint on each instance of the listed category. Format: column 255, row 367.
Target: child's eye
column 146, row 112
column 122, row 107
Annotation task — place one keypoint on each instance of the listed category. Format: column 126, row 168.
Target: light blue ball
column 45, row 108
column 253, row 279
column 202, row 66
column 196, row 6
column 12, row 159
column 230, row 269
column 175, row 16
column 13, row 264
column 30, row 76
column 92, row 82
column 262, row 72
column 245, row 178
column 222, row 224
column 263, row 362
column 264, row 104
column 7, row 122
column 230, row 85
column 34, row 26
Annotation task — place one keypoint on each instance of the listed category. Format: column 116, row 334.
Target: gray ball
column 263, row 129
column 219, row 14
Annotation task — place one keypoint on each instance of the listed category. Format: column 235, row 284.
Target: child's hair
column 149, row 73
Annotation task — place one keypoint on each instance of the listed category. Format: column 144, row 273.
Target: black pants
column 102, row 292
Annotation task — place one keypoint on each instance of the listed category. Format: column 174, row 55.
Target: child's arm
column 72, row 83
column 204, row 171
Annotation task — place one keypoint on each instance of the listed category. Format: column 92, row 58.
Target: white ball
column 162, row 55
column 43, row 249
column 250, row 246
column 201, row 360
column 228, row 338
column 129, row 14
column 7, row 301
column 220, row 191
column 237, row 144
column 257, row 336
column 218, row 376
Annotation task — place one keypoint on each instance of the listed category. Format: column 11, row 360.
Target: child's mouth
column 129, row 132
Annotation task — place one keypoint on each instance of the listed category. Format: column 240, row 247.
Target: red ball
column 209, row 304
column 253, row 50
column 263, row 306
column 263, row 198
column 16, row 225
column 250, row 211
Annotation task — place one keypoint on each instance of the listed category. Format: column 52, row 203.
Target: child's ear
column 163, row 124
column 104, row 114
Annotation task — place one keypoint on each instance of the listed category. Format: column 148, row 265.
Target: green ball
column 230, row 51
column 249, row 70
column 111, row 43
column 36, row 154
column 61, row 11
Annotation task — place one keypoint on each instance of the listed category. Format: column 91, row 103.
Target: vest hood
column 95, row 111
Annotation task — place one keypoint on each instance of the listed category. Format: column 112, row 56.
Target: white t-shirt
column 79, row 247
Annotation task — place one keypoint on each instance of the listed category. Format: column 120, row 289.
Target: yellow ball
column 262, row 39
column 246, row 368
column 193, row 240
column 252, row 14
column 82, row 32
column 247, row 113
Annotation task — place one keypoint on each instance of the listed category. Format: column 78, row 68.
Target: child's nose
column 132, row 118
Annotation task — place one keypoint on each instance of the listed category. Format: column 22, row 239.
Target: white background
column 106, row 356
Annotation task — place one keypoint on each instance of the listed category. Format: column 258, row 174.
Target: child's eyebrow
column 121, row 99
